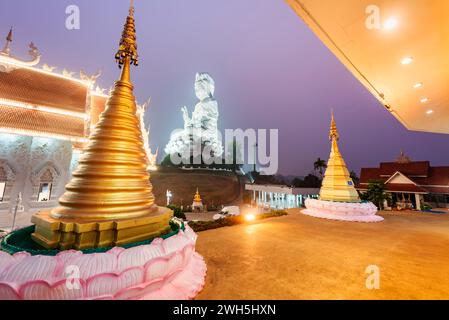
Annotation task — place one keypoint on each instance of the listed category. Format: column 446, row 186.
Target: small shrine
column 197, row 205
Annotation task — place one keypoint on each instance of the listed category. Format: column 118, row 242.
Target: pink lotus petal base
column 342, row 211
column 163, row 270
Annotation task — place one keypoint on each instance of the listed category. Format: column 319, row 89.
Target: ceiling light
column 429, row 111
column 424, row 100
column 418, row 85
column 407, row 61
column 391, row 24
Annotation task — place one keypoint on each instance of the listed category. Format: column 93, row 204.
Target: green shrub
column 273, row 214
column 177, row 212
column 199, row 226
column 212, row 208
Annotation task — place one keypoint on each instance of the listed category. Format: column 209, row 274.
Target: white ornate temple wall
column 37, row 167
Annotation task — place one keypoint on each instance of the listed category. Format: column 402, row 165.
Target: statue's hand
column 185, row 114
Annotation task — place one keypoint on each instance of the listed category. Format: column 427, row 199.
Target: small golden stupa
column 197, row 197
column 337, row 183
column 197, row 205
column 109, row 201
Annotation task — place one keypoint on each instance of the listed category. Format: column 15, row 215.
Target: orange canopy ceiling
column 372, row 39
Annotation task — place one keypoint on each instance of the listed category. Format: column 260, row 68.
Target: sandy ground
column 300, row 257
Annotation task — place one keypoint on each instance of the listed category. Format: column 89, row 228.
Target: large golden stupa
column 337, row 183
column 109, row 201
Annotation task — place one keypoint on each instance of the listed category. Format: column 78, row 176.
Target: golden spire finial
column 7, row 48
column 9, row 37
column 127, row 52
column 333, row 134
column 131, row 8
column 403, row 158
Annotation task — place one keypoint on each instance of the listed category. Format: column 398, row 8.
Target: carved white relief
column 6, row 171
column 15, row 148
column 145, row 129
column 46, row 172
column 62, row 154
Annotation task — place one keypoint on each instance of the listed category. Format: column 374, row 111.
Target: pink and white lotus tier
column 343, row 211
column 165, row 269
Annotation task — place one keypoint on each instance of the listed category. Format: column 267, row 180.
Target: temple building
column 410, row 183
column 279, row 196
column 45, row 119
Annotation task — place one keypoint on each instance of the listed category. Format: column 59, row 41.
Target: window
column 2, row 190
column 44, row 192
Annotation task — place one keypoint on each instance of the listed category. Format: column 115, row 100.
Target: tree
column 355, row 177
column 310, row 181
column 297, row 182
column 234, row 158
column 319, row 166
column 167, row 162
column 376, row 193
column 267, row 179
column 177, row 212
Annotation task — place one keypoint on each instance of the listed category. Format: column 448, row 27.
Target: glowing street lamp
column 169, row 197
column 406, row 61
column 391, row 24
column 250, row 217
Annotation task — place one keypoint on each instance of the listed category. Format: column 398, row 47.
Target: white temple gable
column 399, row 178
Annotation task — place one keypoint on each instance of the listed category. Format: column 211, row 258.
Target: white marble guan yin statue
column 202, row 127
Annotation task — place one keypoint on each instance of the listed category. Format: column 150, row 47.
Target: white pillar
column 418, row 201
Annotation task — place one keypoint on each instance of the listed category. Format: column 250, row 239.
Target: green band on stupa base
column 20, row 241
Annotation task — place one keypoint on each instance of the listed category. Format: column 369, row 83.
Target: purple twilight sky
column 270, row 71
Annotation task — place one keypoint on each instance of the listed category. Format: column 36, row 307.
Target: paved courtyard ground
column 208, row 216
column 300, row 257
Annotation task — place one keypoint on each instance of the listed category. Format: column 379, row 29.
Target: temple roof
column 422, row 177
column 38, row 102
column 35, row 122
column 413, row 169
column 32, row 86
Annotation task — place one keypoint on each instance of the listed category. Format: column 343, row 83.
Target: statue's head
column 204, row 86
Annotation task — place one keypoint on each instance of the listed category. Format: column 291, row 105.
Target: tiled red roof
column 38, row 88
column 368, row 174
column 437, row 176
column 399, row 187
column 412, row 169
column 438, row 189
column 17, row 119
